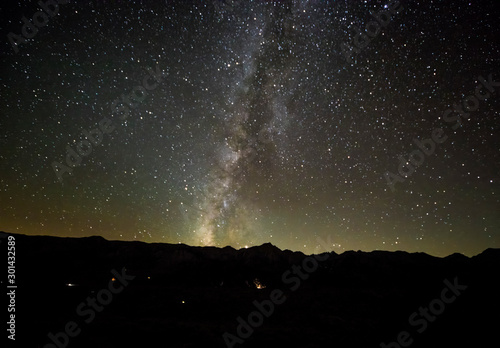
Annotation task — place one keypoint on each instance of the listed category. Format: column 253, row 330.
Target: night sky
column 244, row 122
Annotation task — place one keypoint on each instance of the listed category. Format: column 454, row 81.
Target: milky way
column 255, row 112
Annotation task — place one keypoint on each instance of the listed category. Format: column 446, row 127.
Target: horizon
column 253, row 246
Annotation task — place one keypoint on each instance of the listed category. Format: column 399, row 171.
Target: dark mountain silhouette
column 184, row 296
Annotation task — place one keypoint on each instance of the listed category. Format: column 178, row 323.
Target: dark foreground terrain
column 165, row 295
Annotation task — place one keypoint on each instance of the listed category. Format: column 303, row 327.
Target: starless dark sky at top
column 260, row 130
